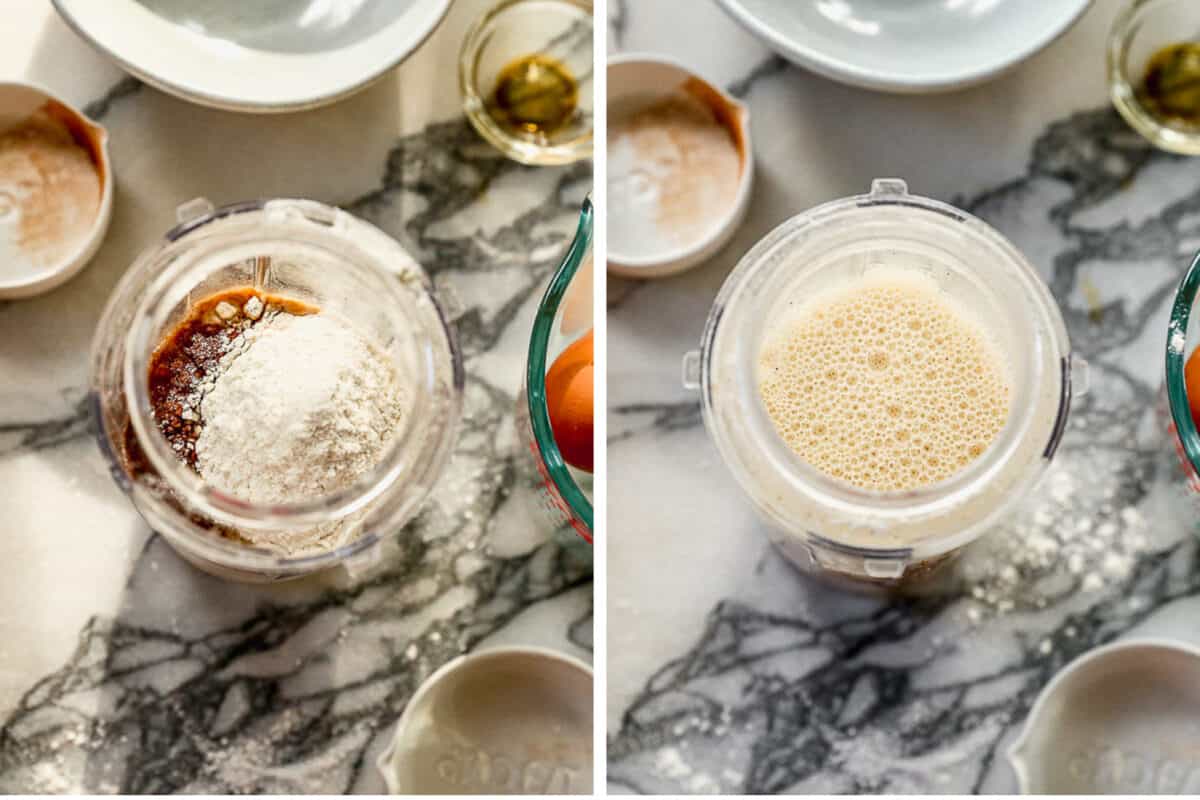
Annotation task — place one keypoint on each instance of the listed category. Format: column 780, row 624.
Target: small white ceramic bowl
column 638, row 79
column 18, row 101
column 1122, row 719
column 511, row 720
column 265, row 55
column 905, row 46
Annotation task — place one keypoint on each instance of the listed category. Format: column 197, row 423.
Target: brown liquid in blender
column 187, row 355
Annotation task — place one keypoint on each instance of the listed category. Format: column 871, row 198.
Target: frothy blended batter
column 884, row 382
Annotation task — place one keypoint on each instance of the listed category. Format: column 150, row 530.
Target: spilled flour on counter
column 1066, row 539
column 301, row 407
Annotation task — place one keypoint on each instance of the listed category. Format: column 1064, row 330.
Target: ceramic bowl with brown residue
column 672, row 184
column 56, row 190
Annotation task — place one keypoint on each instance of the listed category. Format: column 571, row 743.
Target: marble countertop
column 124, row 669
column 733, row 672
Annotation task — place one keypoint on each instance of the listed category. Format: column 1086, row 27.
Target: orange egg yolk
column 569, row 400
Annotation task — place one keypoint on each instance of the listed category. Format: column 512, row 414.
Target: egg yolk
column 569, row 401
column 1191, row 382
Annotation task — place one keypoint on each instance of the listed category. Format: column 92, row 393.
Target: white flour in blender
column 302, row 407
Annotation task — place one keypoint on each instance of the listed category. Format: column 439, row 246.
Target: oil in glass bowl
column 1170, row 90
column 525, row 72
column 1153, row 66
column 535, row 95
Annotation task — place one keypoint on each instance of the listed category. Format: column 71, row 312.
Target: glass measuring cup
column 1183, row 333
column 564, row 316
column 829, row 526
column 304, row 251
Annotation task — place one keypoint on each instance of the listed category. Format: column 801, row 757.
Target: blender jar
column 563, row 316
column 829, row 526
column 300, row 250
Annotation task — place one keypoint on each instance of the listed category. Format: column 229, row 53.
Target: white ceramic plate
column 907, row 45
column 264, row 55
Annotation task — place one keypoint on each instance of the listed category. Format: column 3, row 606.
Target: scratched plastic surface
column 1124, row 719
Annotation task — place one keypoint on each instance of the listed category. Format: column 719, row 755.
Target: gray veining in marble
column 123, row 669
column 733, row 672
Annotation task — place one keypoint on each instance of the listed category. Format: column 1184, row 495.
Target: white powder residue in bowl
column 673, row 175
column 49, row 195
column 302, row 408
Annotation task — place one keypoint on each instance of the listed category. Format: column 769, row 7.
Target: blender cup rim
column 877, row 508
column 395, row 465
column 1176, row 383
column 535, row 370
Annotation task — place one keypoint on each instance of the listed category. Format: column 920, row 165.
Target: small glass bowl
column 1183, row 331
column 1141, row 29
column 559, row 29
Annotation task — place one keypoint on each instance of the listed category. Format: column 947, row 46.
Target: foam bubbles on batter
column 883, row 383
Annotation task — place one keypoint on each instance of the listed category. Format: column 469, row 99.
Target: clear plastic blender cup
column 827, row 525
column 564, row 315
column 305, row 251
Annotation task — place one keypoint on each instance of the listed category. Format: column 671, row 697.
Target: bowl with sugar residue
column 680, row 166
column 56, row 190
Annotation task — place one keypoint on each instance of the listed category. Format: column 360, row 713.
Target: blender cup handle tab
column 1081, row 376
column 885, row 568
column 691, row 370
column 360, row 562
column 882, row 188
column 452, row 305
column 193, row 209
